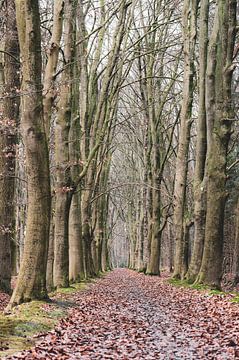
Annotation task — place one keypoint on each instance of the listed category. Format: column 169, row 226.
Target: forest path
column 126, row 315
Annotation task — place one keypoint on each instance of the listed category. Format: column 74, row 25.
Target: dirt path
column 126, row 315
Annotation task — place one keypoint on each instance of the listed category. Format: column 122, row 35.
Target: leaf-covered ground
column 4, row 299
column 127, row 315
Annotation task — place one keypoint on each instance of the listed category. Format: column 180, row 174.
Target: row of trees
column 71, row 71
column 115, row 120
column 186, row 171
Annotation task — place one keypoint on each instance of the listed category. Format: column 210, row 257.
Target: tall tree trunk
column 10, row 83
column 189, row 36
column 155, row 243
column 236, row 248
column 220, row 93
column 49, row 91
column 50, row 256
column 201, row 149
column 64, row 186
column 31, row 283
column 76, row 264
column 87, row 233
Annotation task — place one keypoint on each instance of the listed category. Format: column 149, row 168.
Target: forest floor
column 127, row 315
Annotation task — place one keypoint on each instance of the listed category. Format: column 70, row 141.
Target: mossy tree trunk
column 10, row 83
column 236, row 248
column 219, row 92
column 31, row 283
column 201, row 150
column 189, row 23
column 49, row 89
column 50, row 255
column 64, row 185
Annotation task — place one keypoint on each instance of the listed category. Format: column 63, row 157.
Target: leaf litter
column 127, row 315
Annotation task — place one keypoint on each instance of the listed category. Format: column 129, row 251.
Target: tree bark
column 49, row 91
column 189, row 36
column 201, row 149
column 50, row 256
column 236, row 249
column 220, row 94
column 31, row 283
column 76, row 264
column 10, row 82
column 64, row 185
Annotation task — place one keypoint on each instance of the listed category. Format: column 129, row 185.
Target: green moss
column 72, row 289
column 18, row 328
column 26, row 320
column 216, row 292
column 198, row 286
column 186, row 284
column 11, row 345
column 235, row 299
column 178, row 282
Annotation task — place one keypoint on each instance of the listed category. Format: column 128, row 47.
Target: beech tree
column 189, row 23
column 9, row 74
column 64, row 186
column 220, row 118
column 31, row 282
column 201, row 150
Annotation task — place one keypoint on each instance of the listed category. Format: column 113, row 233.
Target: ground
column 127, row 315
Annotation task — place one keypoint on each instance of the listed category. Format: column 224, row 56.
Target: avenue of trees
column 119, row 141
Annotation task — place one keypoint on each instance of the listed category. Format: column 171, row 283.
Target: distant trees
column 201, row 145
column 149, row 107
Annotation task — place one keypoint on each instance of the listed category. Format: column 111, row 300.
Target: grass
column 211, row 292
column 186, row 284
column 195, row 286
column 235, row 297
column 26, row 321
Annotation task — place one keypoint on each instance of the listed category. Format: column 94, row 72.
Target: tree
column 219, row 118
column 190, row 8
column 9, row 121
column 64, row 186
column 201, row 150
column 31, row 283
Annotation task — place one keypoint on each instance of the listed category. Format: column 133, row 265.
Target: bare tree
column 31, row 282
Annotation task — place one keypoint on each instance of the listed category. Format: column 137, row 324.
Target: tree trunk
column 224, row 39
column 87, row 234
column 76, row 265
column 64, row 186
column 61, row 237
column 49, row 91
column 31, row 282
column 189, row 35
column 155, row 243
column 201, row 149
column 50, row 257
column 236, row 248
column 10, row 82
